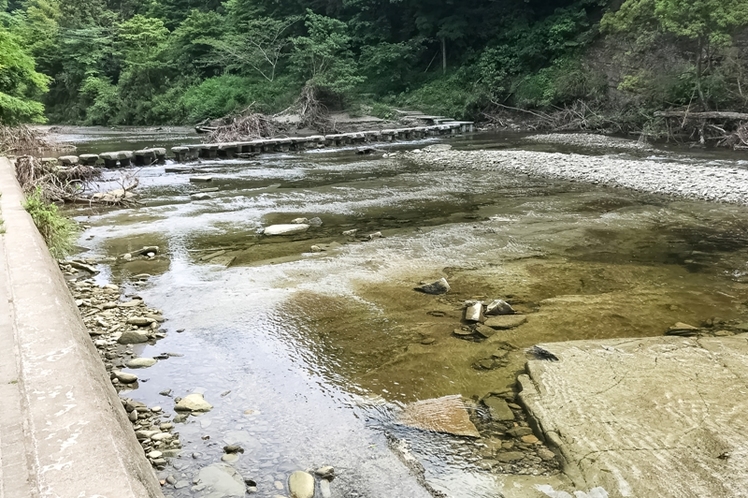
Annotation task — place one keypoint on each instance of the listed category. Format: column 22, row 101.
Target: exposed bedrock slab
column 661, row 416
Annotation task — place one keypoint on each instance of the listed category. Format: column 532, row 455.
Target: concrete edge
column 75, row 434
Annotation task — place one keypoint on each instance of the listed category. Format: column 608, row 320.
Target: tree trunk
column 700, row 71
column 444, row 55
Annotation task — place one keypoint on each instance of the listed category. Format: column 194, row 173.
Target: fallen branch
column 724, row 115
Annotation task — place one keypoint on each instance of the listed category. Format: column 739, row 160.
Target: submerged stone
column 193, row 403
column 301, row 485
column 506, row 321
column 447, row 414
column 441, row 286
column 223, row 479
column 499, row 409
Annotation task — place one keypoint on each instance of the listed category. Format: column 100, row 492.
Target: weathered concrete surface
column 64, row 432
column 662, row 416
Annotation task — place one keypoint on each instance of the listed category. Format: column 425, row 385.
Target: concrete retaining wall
column 63, row 430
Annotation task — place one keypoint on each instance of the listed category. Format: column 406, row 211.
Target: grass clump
column 57, row 230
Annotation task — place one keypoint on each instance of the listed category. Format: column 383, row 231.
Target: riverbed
column 309, row 346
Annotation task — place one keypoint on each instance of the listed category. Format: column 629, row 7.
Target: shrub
column 57, row 230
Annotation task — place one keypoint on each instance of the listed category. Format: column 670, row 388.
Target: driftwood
column 717, row 115
column 55, row 183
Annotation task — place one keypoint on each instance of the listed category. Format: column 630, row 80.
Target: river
column 308, row 356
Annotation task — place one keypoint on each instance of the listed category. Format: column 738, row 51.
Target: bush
column 453, row 95
column 222, row 95
column 565, row 81
column 57, row 230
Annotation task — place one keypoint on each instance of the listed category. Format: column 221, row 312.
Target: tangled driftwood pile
column 56, row 183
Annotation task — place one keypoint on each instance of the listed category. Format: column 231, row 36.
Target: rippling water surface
column 308, row 357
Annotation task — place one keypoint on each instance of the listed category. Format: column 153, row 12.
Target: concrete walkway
column 657, row 417
column 63, row 430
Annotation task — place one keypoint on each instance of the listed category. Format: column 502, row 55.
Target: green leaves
column 20, row 85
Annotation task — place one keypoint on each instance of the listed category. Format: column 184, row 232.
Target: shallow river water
column 307, row 357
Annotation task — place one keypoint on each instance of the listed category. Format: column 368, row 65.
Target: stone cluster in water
column 115, row 323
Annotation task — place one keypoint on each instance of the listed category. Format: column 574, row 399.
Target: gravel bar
column 710, row 183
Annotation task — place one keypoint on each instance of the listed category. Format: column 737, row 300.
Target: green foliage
column 566, row 80
column 222, row 95
column 452, row 95
column 57, row 230
column 324, row 58
column 20, row 84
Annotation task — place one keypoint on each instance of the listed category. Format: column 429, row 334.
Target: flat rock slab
column 447, row 414
column 661, row 416
column 505, row 321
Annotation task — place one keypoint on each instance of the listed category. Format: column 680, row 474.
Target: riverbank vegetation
column 57, row 230
column 570, row 64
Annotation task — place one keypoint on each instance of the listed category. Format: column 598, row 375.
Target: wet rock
column 682, row 329
column 447, row 414
column 463, row 332
column 316, row 249
column 125, row 378
column 324, row 488
column 233, row 448
column 441, row 286
column 200, row 197
column 223, row 479
column 484, row 331
column 504, row 322
column 546, row 454
column 510, row 456
column 141, row 362
column 140, row 321
column 201, row 179
column 316, row 222
column 193, row 403
column 300, row 221
column 530, row 439
column 326, row 472
column 350, row 233
column 473, row 312
column 499, row 409
column 230, row 457
column 132, row 337
column 519, row 431
column 131, row 304
column 286, row 229
column 499, row 307
column 301, row 485
column 375, row 235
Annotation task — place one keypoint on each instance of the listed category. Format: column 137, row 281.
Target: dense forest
column 108, row 62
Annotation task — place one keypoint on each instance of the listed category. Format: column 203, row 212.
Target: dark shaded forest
column 146, row 62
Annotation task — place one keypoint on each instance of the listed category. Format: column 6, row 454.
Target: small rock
column 300, row 221
column 506, row 321
column 519, row 431
column 200, row 197
column 484, row 331
column 133, row 416
column 546, row 454
column 233, row 448
column 350, row 233
column 326, row 472
column 301, row 485
column 154, row 454
column 316, row 222
column 375, row 235
column 132, row 337
column 140, row 362
column 499, row 307
column 463, row 332
column 324, row 488
column 315, row 249
column 473, row 312
column 510, row 456
column 230, row 457
column 193, row 403
column 439, row 287
column 499, row 409
column 125, row 378
column 530, row 439
column 140, row 321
